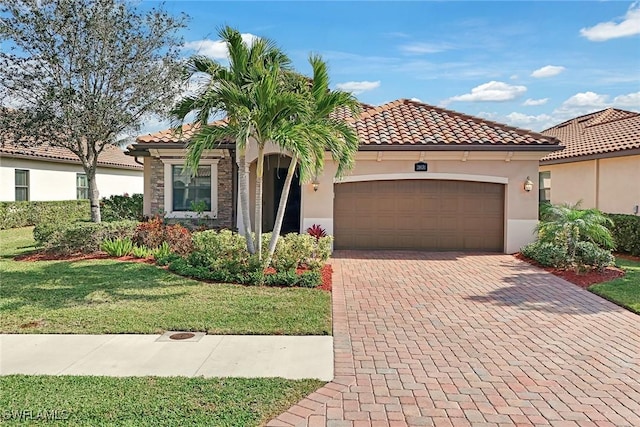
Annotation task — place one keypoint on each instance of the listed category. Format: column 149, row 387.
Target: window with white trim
column 545, row 186
column 186, row 194
column 82, row 186
column 22, row 185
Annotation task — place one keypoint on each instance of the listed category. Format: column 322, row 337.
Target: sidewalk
column 292, row 357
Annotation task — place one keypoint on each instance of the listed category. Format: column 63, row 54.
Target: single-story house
column 425, row 178
column 45, row 173
column 599, row 163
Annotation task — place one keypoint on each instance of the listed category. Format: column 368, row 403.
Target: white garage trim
column 422, row 175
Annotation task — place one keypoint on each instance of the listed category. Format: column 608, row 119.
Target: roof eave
column 587, row 157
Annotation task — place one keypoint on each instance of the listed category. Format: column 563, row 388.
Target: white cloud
column 216, row 49
column 358, row 87
column 514, row 77
column 491, row 91
column 424, row 48
column 628, row 26
column 547, row 71
column 529, row 121
column 416, row 99
column 631, row 100
column 586, row 99
column 532, row 102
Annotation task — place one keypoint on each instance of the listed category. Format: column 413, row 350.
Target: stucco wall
column 521, row 207
column 57, row 181
column 610, row 185
column 155, row 182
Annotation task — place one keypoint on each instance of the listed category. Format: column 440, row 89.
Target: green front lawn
column 147, row 401
column 108, row 296
column 624, row 291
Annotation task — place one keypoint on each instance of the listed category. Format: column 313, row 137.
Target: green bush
column 222, row 256
column 118, row 208
column 23, row 214
column 118, row 247
column 626, row 233
column 589, row 254
column 86, row 237
column 141, row 251
column 547, row 254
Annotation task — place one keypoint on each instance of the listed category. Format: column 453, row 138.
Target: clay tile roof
column 405, row 123
column 171, row 136
column 412, row 123
column 111, row 156
column 605, row 131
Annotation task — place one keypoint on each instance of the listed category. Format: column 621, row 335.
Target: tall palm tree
column 246, row 91
column 309, row 135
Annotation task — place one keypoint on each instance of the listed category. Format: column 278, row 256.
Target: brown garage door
column 419, row 214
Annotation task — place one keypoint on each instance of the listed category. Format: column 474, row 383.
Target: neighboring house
column 46, row 173
column 424, row 178
column 599, row 164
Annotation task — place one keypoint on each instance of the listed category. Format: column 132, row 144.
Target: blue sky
column 528, row 64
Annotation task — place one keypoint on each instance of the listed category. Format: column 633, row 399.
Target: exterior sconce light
column 315, row 184
column 528, row 185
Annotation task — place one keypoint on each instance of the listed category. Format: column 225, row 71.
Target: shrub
column 316, row 231
column 589, row 254
column 140, row 251
column 155, row 232
column 118, row 208
column 86, row 237
column 547, row 254
column 298, row 250
column 626, row 233
column 162, row 251
column 23, row 214
column 118, row 247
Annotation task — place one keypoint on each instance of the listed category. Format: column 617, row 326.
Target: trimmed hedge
column 626, row 233
column 119, row 208
column 81, row 237
column 24, row 214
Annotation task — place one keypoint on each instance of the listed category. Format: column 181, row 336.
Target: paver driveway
column 457, row 339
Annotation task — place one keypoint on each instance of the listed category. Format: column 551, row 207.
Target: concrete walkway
column 445, row 339
column 292, row 357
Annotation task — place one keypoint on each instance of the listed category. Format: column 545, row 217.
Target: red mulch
column 584, row 280
column 627, row 256
column 44, row 256
column 326, row 272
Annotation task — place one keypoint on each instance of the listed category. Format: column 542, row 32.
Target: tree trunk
column 281, row 209
column 258, row 213
column 94, row 194
column 243, row 189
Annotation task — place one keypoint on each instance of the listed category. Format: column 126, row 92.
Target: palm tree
column 567, row 225
column 246, row 91
column 307, row 136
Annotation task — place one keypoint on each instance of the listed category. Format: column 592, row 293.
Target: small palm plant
column 580, row 234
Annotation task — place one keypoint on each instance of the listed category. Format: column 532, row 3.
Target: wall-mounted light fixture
column 528, row 185
column 315, row 184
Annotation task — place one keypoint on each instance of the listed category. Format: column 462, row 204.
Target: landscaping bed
column 95, row 296
column 585, row 279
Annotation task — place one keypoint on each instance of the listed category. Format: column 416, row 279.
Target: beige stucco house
column 45, row 173
column 424, row 178
column 599, row 164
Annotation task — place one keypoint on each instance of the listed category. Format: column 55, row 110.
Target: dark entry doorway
column 291, row 221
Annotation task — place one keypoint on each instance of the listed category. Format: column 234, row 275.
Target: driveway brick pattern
column 485, row 340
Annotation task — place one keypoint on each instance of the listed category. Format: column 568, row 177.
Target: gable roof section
column 111, row 156
column 606, row 132
column 405, row 125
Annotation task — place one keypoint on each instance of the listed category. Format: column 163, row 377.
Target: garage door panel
column 419, row 214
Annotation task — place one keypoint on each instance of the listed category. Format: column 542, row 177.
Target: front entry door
column 291, row 222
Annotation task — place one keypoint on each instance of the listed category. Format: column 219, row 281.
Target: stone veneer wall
column 225, row 192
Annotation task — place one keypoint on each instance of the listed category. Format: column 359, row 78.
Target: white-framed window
column 186, row 196
column 545, row 186
column 22, row 185
column 82, row 186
